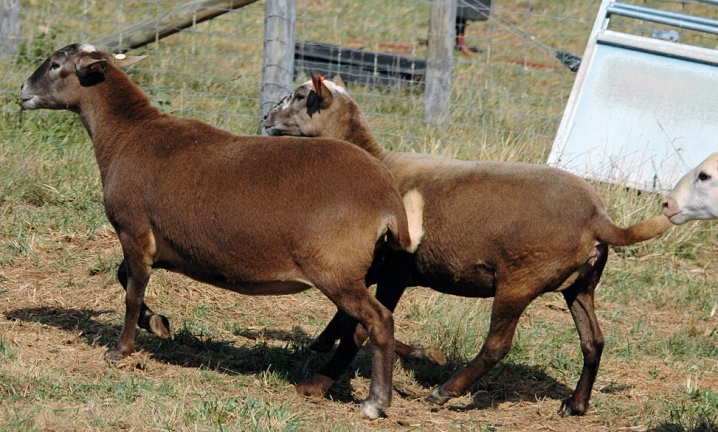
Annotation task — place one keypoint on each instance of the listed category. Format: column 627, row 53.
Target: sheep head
column 56, row 84
column 695, row 196
column 307, row 110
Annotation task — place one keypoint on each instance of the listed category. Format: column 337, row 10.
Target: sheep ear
column 122, row 60
column 316, row 82
column 339, row 81
column 322, row 91
column 87, row 65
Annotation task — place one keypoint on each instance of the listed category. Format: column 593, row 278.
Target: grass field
column 233, row 360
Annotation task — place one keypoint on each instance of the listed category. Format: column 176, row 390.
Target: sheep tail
column 646, row 230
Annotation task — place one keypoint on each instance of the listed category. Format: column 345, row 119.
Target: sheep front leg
column 154, row 323
column 351, row 337
column 138, row 276
column 325, row 342
column 580, row 300
column 429, row 355
column 504, row 318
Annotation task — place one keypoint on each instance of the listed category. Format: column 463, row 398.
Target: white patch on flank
column 414, row 205
column 151, row 250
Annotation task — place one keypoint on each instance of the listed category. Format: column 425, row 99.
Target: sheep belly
column 270, row 288
column 476, row 281
column 239, row 275
column 284, row 283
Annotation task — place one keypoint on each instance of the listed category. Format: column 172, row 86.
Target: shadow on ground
column 290, row 358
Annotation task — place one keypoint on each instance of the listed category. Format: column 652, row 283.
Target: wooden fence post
column 442, row 32
column 9, row 26
column 278, row 63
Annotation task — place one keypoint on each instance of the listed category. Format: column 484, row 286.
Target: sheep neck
column 113, row 109
column 356, row 131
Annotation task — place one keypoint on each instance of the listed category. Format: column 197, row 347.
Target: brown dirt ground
column 38, row 310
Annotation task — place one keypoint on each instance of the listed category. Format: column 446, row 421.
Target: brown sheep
column 511, row 231
column 255, row 215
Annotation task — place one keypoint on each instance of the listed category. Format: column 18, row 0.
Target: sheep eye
column 299, row 97
column 54, row 65
column 702, row 176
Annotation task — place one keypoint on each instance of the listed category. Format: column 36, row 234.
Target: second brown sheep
column 511, row 231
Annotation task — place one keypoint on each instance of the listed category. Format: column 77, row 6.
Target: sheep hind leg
column 580, row 300
column 389, row 290
column 378, row 320
column 154, row 323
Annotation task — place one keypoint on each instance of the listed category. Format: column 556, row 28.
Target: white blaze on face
column 286, row 102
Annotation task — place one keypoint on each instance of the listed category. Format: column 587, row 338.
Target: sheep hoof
column 431, row 355
column 115, row 354
column 436, row 397
column 160, row 326
column 371, row 410
column 571, row 407
column 316, row 386
column 435, row 356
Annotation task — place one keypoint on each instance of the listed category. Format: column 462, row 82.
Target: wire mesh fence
column 509, row 83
